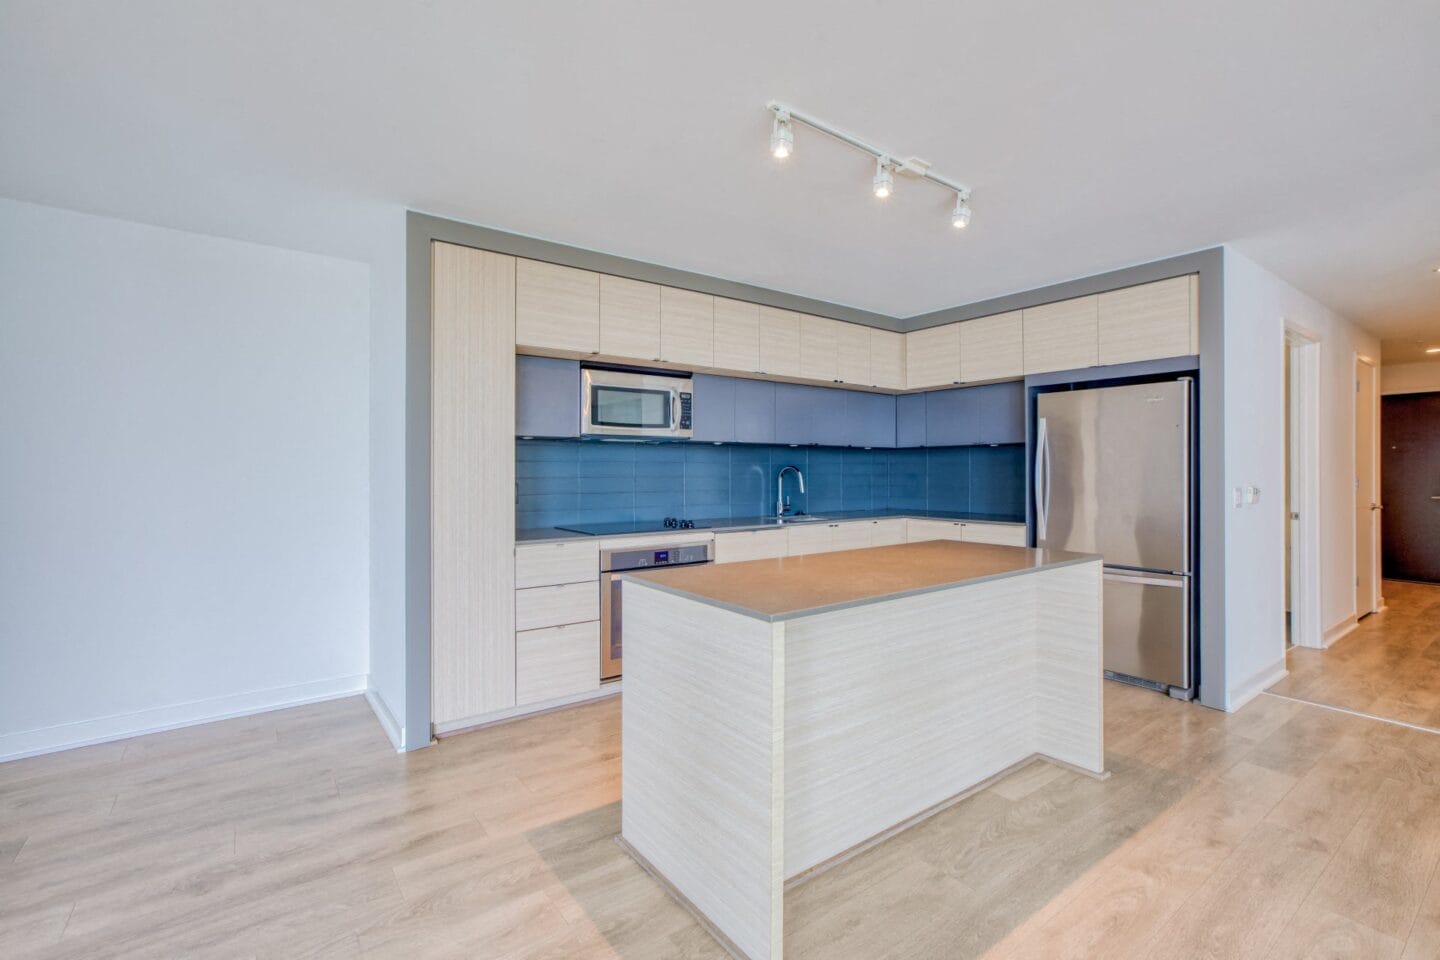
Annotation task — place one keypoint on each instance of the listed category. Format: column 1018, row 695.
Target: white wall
column 1258, row 306
column 184, row 517
column 1423, row 377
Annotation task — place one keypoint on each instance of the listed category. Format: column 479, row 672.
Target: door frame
column 1367, row 466
column 1302, row 475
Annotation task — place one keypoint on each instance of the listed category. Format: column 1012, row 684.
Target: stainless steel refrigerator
column 1112, row 476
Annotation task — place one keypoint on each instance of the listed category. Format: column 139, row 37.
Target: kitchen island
column 781, row 715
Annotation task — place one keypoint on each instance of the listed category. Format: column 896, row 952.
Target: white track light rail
column 782, row 144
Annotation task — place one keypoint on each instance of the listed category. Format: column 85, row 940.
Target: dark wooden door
column 1410, row 485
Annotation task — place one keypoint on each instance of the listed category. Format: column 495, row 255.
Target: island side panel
column 896, row 706
column 703, row 778
column 1069, row 665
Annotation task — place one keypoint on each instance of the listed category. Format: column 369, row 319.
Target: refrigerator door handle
column 1042, row 479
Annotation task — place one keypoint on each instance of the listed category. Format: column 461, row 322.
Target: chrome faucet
column 780, row 502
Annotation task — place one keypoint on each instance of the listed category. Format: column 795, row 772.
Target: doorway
column 1410, row 485
column 1302, row 488
column 1367, row 490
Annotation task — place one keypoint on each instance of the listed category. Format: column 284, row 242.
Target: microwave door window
column 629, row 407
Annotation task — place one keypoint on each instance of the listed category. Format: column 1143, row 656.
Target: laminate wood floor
column 1389, row 666
column 1281, row 831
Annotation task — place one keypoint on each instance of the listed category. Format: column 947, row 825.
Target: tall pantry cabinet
column 472, row 482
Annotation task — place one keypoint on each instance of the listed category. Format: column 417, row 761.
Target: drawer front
column 809, row 538
column 918, row 530
column 538, row 607
column 751, row 545
column 885, row 533
column 556, row 662
column 544, row 564
column 852, row 536
column 1010, row 534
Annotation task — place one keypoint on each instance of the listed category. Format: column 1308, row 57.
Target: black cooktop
column 640, row 526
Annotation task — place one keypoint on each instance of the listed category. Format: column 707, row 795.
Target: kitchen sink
column 804, row 518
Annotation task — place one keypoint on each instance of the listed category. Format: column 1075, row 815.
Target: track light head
column 960, row 218
column 782, row 138
column 884, row 182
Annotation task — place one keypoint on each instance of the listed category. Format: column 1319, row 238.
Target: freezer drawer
column 1147, row 626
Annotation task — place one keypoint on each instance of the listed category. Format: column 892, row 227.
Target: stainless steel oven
column 626, row 403
column 614, row 562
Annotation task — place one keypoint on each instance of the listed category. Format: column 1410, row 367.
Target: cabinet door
column 910, row 420
column 687, row 327
column 754, row 411
column 737, row 335
column 932, row 357
column 855, row 535
column 852, row 354
column 992, row 348
column 779, row 342
column 557, row 308
column 869, row 419
column 819, row 355
column 750, row 545
column 887, row 359
column 799, row 412
column 1001, row 412
column 547, row 397
column 556, row 662
column 1062, row 336
column 887, row 532
column 952, row 417
column 472, row 483
column 805, row 538
column 714, row 408
column 1010, row 534
column 920, row 530
column 828, row 424
column 1147, row 322
column 629, row 318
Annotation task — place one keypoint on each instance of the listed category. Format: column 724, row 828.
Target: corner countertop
column 788, row 587
column 739, row 524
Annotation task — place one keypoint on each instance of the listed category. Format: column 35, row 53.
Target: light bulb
column 782, row 138
column 960, row 218
column 884, row 183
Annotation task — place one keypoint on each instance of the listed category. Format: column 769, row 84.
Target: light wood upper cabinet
column 629, row 318
column 1195, row 314
column 472, row 482
column 1146, row 322
column 779, row 342
column 932, row 356
column 737, row 335
column 818, row 352
column 991, row 348
column 853, row 361
column 887, row 359
column 687, row 327
column 557, row 308
column 1062, row 336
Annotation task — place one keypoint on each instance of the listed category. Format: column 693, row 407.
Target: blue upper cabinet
column 714, row 406
column 1002, row 412
column 547, row 397
column 798, row 408
column 869, row 419
column 754, row 411
column 910, row 420
column 829, row 426
column 952, row 418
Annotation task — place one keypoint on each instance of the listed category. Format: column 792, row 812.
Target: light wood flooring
column 1389, row 666
column 1281, row 831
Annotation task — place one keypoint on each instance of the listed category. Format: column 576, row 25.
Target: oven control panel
column 644, row 559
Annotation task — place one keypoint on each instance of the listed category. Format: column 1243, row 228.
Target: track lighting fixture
column 782, row 138
column 782, row 144
column 884, row 182
column 960, row 218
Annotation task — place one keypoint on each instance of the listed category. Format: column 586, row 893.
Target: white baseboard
column 393, row 730
column 83, row 733
column 1257, row 685
column 1339, row 630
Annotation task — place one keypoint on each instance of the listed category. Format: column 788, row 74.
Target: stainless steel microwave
column 625, row 403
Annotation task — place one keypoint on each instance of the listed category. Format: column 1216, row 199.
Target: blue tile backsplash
column 562, row 482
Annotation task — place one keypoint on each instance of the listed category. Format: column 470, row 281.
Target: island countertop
column 787, row 587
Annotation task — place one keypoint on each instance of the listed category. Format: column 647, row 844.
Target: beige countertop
column 789, row 587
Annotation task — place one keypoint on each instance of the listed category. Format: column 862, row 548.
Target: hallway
column 1389, row 667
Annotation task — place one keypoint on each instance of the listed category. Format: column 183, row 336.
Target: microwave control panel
column 685, row 410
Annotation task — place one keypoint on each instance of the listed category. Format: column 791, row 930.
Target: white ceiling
column 1095, row 135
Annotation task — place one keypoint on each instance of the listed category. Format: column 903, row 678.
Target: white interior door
column 1367, row 491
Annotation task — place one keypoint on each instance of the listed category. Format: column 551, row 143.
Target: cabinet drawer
column 544, row 564
column 749, row 545
column 552, row 606
column 918, row 530
column 556, row 662
column 1010, row 534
